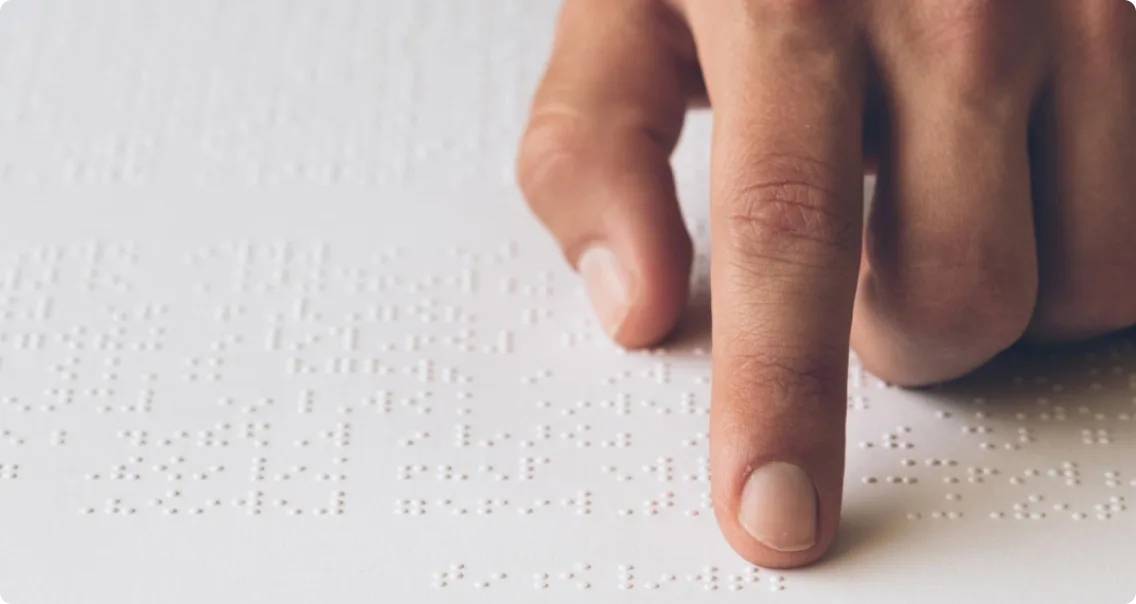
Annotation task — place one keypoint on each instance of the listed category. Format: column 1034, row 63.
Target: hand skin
column 1003, row 135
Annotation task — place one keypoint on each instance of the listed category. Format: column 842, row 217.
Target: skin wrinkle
column 788, row 398
column 790, row 201
column 790, row 208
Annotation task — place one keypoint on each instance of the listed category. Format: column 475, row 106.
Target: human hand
column 1003, row 133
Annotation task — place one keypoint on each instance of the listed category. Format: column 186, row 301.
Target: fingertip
column 611, row 288
column 779, row 519
column 638, row 289
column 778, row 508
column 778, row 483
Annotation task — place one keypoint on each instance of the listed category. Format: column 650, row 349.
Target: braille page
column 275, row 326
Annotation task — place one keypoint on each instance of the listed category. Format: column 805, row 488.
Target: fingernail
column 607, row 285
column 779, row 507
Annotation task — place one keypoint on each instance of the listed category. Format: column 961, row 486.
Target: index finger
column 786, row 81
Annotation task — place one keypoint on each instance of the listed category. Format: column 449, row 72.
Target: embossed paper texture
column 275, row 326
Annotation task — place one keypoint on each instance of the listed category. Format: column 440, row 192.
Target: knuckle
column 1101, row 29
column 970, row 44
column 791, row 215
column 961, row 303
column 767, row 12
column 959, row 26
column 976, row 315
column 1080, row 311
column 969, row 307
column 552, row 153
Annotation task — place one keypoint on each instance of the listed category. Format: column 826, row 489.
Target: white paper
column 275, row 326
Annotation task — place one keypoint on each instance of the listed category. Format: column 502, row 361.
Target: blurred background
column 269, row 92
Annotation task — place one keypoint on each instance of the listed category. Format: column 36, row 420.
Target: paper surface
column 275, row 326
